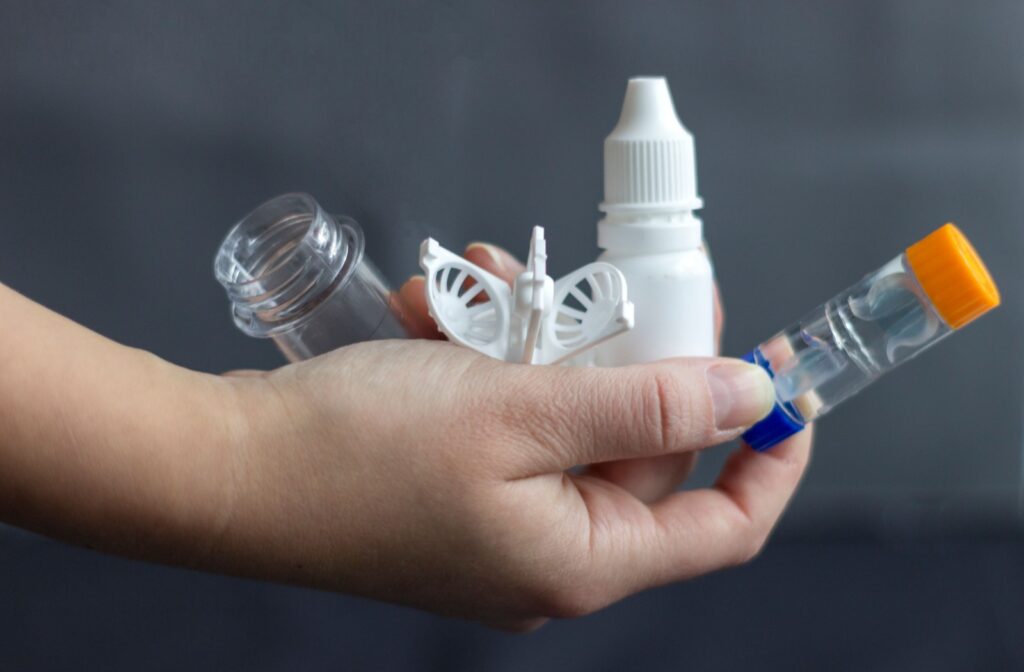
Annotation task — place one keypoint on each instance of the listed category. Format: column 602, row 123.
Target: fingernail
column 492, row 252
column 741, row 394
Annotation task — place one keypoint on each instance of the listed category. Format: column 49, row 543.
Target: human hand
column 426, row 474
column 647, row 478
column 412, row 471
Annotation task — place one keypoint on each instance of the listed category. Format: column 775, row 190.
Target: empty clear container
column 935, row 287
column 300, row 276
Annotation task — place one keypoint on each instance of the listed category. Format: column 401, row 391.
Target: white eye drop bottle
column 650, row 233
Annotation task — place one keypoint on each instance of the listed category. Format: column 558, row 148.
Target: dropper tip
column 648, row 111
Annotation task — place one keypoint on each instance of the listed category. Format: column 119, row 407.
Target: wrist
column 241, row 419
column 197, row 436
column 251, row 513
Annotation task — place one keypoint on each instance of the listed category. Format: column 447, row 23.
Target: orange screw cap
column 953, row 276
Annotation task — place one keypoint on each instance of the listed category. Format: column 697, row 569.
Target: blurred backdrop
column 829, row 137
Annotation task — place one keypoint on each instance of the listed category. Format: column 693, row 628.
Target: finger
column 650, row 479
column 495, row 260
column 412, row 295
column 580, row 416
column 244, row 373
column 415, row 316
column 699, row 531
column 647, row 478
column 719, row 319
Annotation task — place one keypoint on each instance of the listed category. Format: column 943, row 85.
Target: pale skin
column 416, row 472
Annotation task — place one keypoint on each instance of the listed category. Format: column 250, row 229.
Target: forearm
column 107, row 445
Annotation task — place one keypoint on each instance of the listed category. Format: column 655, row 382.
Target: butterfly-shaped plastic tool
column 536, row 321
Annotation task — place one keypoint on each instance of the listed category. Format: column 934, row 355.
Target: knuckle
column 554, row 412
column 568, row 600
column 521, row 400
column 551, row 571
column 565, row 588
column 751, row 544
column 790, row 465
column 668, row 412
column 745, row 537
column 521, row 626
column 753, row 547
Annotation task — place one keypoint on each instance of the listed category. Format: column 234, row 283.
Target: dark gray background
column 829, row 135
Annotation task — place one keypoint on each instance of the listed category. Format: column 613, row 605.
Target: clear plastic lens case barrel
column 938, row 285
column 846, row 343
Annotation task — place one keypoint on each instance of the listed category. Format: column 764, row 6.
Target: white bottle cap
column 648, row 158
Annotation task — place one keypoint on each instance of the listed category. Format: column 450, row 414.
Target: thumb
column 581, row 416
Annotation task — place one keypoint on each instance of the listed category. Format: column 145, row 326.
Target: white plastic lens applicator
column 650, row 233
column 537, row 320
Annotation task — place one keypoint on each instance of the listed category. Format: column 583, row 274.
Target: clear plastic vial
column 935, row 287
column 300, row 276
